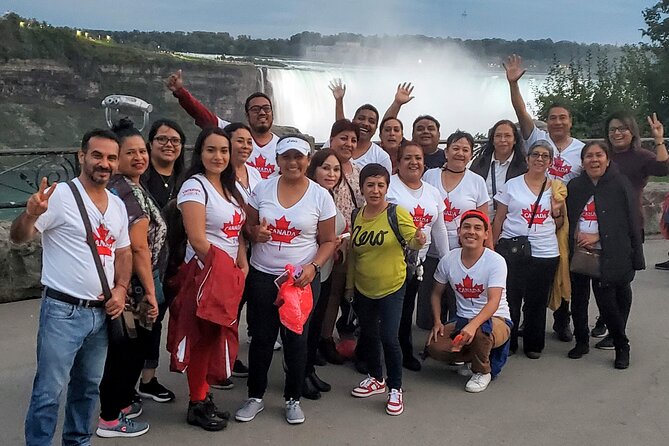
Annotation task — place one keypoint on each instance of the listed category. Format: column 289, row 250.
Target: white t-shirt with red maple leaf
column 566, row 164
column 470, row 193
column 425, row 207
column 519, row 199
column 263, row 158
column 67, row 262
column 587, row 222
column 223, row 219
column 293, row 229
column 375, row 154
column 471, row 284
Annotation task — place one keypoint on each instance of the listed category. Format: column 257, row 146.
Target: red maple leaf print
column 450, row 213
column 468, row 289
column 539, row 217
column 589, row 213
column 420, row 218
column 104, row 241
column 232, row 228
column 260, row 164
column 559, row 168
column 282, row 232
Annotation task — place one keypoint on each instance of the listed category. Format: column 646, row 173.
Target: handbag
column 585, row 261
column 518, row 248
column 122, row 327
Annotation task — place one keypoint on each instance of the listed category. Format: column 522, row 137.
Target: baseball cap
column 293, row 143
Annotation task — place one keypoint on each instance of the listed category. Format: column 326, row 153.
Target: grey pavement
column 550, row 401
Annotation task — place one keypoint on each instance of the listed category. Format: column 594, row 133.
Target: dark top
column 637, row 165
column 434, row 160
column 619, row 222
column 160, row 190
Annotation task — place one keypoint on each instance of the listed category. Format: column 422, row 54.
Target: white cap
column 293, row 143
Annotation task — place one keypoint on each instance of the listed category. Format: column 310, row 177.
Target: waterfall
column 471, row 101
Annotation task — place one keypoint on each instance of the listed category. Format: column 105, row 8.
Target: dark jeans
column 528, row 288
column 379, row 325
column 406, row 322
column 316, row 324
column 614, row 301
column 124, row 364
column 424, row 317
column 262, row 293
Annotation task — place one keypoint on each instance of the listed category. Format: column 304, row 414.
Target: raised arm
column 514, row 71
column 202, row 115
column 23, row 227
column 338, row 89
column 657, row 131
column 402, row 96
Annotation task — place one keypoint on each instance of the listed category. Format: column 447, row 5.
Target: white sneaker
column 395, row 404
column 478, row 382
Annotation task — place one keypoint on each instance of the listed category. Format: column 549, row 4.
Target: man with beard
column 566, row 161
column 72, row 334
column 366, row 117
column 259, row 113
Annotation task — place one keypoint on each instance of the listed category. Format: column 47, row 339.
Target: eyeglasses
column 543, row 156
column 163, row 140
column 257, row 108
column 621, row 129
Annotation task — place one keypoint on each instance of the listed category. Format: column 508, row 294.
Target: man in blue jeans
column 72, row 336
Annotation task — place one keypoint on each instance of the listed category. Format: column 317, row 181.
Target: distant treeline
column 541, row 52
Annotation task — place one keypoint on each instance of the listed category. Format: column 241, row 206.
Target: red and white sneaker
column 368, row 387
column 395, row 405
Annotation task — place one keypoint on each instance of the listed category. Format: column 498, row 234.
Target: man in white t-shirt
column 72, row 336
column 260, row 116
column 566, row 160
column 366, row 117
column 482, row 327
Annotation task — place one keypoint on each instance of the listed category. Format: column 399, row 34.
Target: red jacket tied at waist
column 205, row 310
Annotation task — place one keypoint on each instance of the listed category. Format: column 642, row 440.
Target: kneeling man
column 481, row 329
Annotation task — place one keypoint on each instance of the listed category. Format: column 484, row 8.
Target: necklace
column 165, row 180
column 456, row 171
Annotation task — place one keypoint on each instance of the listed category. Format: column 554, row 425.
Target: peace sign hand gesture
column 38, row 202
column 656, row 128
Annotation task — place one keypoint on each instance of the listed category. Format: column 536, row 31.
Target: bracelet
column 122, row 286
column 316, row 266
column 659, row 144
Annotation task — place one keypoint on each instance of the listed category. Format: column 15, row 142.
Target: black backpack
column 410, row 255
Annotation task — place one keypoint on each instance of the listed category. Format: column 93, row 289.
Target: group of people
column 477, row 248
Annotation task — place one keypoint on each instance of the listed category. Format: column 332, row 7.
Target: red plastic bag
column 294, row 303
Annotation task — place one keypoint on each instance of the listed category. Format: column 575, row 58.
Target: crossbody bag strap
column 395, row 224
column 106, row 291
column 536, row 204
column 493, row 180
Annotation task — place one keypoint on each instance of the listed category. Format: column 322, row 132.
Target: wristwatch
column 317, row 267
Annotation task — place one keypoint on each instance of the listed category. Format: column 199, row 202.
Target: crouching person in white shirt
column 476, row 342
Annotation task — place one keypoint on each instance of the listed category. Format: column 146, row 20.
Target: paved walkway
column 552, row 401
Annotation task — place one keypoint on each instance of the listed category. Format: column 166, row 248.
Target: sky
column 601, row 21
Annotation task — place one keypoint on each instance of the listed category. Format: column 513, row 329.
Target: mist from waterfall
column 461, row 95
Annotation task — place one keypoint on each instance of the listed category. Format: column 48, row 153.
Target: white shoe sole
column 297, row 421
column 247, row 419
column 368, row 394
column 104, row 433
column 155, row 398
column 391, row 413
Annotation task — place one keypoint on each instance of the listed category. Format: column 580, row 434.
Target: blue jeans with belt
column 71, row 351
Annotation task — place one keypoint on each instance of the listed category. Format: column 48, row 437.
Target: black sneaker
column 599, row 330
column 156, row 391
column 622, row 360
column 664, row 266
column 239, row 370
column 605, row 344
column 564, row 334
column 579, row 350
column 209, row 400
column 411, row 363
column 226, row 384
column 202, row 413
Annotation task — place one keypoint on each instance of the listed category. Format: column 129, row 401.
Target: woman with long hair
column 426, row 207
column 213, row 216
column 604, row 220
column 526, row 208
column 118, row 403
column 391, row 133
